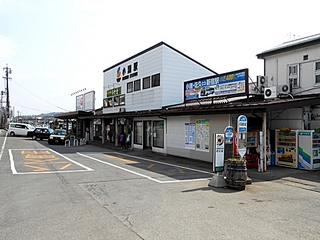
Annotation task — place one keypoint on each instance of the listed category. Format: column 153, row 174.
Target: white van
column 20, row 129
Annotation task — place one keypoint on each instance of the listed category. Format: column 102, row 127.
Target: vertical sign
column 228, row 131
column 242, row 135
column 219, row 156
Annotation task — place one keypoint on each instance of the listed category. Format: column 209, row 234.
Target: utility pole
column 7, row 71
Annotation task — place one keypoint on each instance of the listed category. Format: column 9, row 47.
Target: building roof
column 291, row 45
column 72, row 115
column 153, row 47
column 234, row 105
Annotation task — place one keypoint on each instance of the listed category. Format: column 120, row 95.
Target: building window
column 317, row 72
column 146, row 82
column 158, row 134
column 129, row 87
column 122, row 100
column 156, row 80
column 137, row 132
column 116, row 101
column 305, row 57
column 137, row 85
column 129, row 69
column 293, row 75
column 107, row 102
column 135, row 66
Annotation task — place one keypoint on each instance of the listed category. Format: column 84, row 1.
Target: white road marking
column 3, row 145
column 14, row 171
column 145, row 176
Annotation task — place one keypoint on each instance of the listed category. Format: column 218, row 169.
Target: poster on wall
column 190, row 135
column 202, row 134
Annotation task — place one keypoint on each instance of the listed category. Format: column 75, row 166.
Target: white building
column 147, row 81
column 293, row 68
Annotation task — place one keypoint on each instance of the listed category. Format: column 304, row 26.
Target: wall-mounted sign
column 126, row 72
column 232, row 83
column 114, row 92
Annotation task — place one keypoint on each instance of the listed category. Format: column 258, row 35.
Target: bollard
column 66, row 142
column 75, row 142
column 84, row 141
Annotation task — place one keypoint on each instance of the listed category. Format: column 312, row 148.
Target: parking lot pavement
column 303, row 178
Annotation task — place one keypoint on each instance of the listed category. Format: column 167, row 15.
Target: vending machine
column 286, row 148
column 309, row 149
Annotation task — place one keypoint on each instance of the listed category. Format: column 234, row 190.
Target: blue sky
column 57, row 47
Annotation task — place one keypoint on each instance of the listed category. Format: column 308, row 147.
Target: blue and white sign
column 228, row 131
column 242, row 124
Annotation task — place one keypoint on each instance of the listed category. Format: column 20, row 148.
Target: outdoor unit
column 284, row 89
column 262, row 82
column 270, row 92
column 122, row 109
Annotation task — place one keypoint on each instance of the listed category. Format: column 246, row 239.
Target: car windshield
column 50, row 130
column 60, row 132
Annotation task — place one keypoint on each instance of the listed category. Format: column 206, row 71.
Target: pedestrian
column 128, row 140
column 122, row 139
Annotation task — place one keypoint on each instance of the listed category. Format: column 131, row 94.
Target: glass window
column 122, row 100
column 317, row 72
column 129, row 87
column 135, row 66
column 146, row 82
column 156, row 80
column 158, row 134
column 293, row 75
column 116, row 101
column 137, row 85
column 129, row 69
column 138, row 132
column 107, row 102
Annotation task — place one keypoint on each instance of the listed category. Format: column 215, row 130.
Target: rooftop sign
column 227, row 84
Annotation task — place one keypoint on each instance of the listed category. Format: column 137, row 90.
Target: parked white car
column 19, row 129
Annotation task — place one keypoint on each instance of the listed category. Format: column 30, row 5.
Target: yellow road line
column 66, row 166
column 121, row 159
column 151, row 165
column 37, row 169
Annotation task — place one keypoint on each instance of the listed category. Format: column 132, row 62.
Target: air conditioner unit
column 270, row 92
column 122, row 109
column 284, row 89
column 262, row 82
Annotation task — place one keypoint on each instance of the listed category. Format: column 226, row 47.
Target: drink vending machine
column 286, row 147
column 309, row 149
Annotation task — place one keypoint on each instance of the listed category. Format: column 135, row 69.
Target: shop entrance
column 147, row 135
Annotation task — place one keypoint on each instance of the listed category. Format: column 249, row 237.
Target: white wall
column 174, row 69
column 176, row 135
column 276, row 69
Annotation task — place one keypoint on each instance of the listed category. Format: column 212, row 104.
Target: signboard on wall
column 227, row 84
column 190, row 135
column 202, row 134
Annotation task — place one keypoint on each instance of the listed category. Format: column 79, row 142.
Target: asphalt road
column 90, row 192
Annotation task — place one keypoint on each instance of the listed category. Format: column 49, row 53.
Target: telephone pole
column 7, row 71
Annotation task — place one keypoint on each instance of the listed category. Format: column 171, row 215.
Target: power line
column 41, row 98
